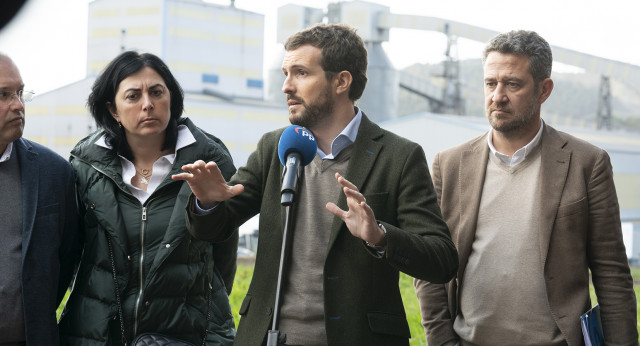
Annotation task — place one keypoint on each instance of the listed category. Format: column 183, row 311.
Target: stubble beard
column 313, row 113
column 515, row 124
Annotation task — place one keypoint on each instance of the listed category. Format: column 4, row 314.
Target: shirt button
column 167, row 246
column 146, row 303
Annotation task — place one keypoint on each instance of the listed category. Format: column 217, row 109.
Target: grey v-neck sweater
column 302, row 312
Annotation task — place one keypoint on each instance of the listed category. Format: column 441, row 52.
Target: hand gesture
column 207, row 183
column 359, row 219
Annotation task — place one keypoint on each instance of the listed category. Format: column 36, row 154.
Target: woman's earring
column 119, row 124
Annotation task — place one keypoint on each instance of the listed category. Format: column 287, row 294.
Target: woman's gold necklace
column 145, row 175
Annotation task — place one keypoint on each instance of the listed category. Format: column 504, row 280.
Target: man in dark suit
column 366, row 209
column 39, row 224
column 532, row 210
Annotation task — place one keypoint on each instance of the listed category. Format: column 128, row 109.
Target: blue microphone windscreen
column 297, row 139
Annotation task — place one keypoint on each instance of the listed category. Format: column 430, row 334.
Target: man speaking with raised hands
column 365, row 209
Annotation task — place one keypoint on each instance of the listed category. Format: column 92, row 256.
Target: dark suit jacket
column 579, row 231
column 363, row 305
column 49, row 230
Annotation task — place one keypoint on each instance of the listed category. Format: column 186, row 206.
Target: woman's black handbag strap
column 115, row 282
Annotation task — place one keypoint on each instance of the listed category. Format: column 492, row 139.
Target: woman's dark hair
column 104, row 91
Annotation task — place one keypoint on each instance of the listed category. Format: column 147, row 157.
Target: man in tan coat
column 531, row 211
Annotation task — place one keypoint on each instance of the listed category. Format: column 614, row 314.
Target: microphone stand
column 274, row 337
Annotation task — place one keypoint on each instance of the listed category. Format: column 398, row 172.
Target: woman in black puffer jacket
column 134, row 217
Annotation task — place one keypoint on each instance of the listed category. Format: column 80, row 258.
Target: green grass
column 64, row 302
column 240, row 288
column 412, row 309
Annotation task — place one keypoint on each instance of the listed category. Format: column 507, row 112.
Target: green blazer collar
column 363, row 157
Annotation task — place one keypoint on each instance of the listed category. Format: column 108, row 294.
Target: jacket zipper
column 144, row 223
column 143, row 228
column 141, row 267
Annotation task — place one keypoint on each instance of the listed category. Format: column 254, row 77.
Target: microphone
column 296, row 149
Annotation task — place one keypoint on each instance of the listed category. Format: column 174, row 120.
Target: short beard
column 519, row 122
column 314, row 113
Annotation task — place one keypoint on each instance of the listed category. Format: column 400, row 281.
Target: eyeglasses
column 23, row 96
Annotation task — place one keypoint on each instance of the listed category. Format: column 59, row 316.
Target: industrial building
column 217, row 54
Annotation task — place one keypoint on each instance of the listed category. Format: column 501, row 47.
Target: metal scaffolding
column 604, row 104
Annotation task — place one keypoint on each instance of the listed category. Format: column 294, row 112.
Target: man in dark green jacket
column 341, row 285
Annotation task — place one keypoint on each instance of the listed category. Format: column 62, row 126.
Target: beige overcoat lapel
column 363, row 156
column 553, row 176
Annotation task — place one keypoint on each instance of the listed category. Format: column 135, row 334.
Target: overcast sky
column 48, row 38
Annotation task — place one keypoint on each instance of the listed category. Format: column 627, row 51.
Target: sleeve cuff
column 199, row 211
